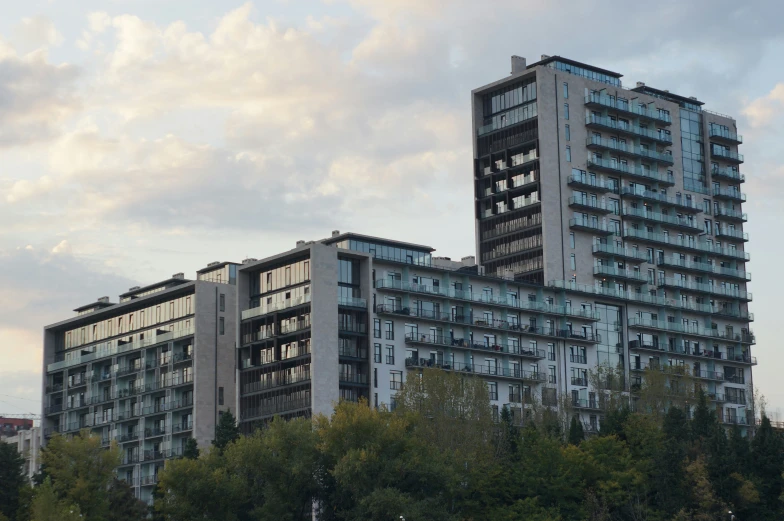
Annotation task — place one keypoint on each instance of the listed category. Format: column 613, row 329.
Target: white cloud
column 763, row 111
column 35, row 33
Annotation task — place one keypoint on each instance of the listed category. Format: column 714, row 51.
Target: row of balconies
column 743, row 337
column 680, row 349
column 483, row 298
column 494, row 324
column 497, row 347
column 478, row 369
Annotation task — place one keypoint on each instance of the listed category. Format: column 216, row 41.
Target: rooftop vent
column 300, row 243
column 545, row 56
column 211, row 264
column 134, row 288
column 180, row 275
column 508, row 274
column 693, row 97
column 335, row 233
column 249, row 260
column 103, row 300
column 641, row 84
column 667, row 91
column 468, row 260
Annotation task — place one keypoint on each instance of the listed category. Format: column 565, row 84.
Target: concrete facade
column 28, row 444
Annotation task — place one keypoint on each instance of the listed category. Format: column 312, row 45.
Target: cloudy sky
column 139, row 138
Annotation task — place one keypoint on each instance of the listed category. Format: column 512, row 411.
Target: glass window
column 567, row 133
column 566, row 111
column 566, row 90
column 569, row 154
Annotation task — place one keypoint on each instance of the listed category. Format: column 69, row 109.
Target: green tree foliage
column 767, row 462
column 576, row 432
column 81, row 471
column 12, row 480
column 47, row 506
column 123, row 504
column 226, row 431
column 191, row 450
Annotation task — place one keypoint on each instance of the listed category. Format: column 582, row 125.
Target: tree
column 191, row 450
column 11, row 479
column 576, row 432
column 668, row 469
column 613, row 422
column 226, row 431
column 280, row 464
column 767, row 465
column 704, row 419
column 48, row 507
column 123, row 503
column 81, row 471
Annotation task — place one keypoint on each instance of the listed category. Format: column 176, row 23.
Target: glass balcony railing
column 585, row 181
column 693, row 245
column 706, row 288
column 727, row 135
column 614, row 103
column 629, row 150
column 727, row 155
column 729, row 233
column 728, row 174
column 484, row 298
column 648, row 195
column 589, row 204
column 612, row 124
column 667, row 220
column 729, row 193
column 617, row 251
column 275, row 306
column 612, row 271
column 746, row 337
column 354, row 302
column 590, row 225
column 630, row 170
column 730, row 213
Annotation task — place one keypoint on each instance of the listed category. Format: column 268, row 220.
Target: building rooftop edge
column 216, row 266
column 576, row 64
column 381, row 240
column 155, row 285
column 666, row 94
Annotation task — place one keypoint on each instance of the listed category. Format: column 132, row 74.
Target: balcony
column 127, row 437
column 584, row 181
column 352, row 302
column 693, row 245
column 597, row 143
column 726, row 155
column 704, row 267
column 680, row 203
column 706, row 288
column 477, row 369
column 581, row 381
column 352, row 328
column 578, row 359
column 265, row 309
column 730, row 194
column 588, row 225
column 182, row 427
column 480, row 298
column 593, row 405
column 277, row 406
column 720, row 134
column 500, row 347
column 672, row 221
column 674, row 327
column 734, row 420
column 155, row 432
column 276, row 379
column 633, row 171
column 727, row 174
column 724, row 232
column 608, row 250
column 182, row 357
column 731, row 215
column 148, row 480
column 353, row 378
column 584, row 203
column 615, row 273
column 605, row 123
column 714, row 376
column 640, row 111
column 114, row 347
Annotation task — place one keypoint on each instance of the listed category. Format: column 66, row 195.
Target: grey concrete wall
column 324, row 328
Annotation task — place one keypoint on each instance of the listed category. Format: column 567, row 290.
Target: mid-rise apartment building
column 28, row 444
column 632, row 198
column 148, row 372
